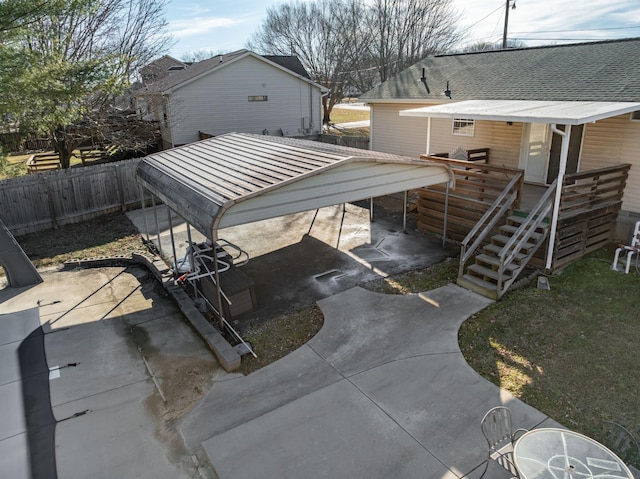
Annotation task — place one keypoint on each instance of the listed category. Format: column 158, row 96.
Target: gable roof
column 192, row 71
column 596, row 71
column 238, row 178
column 196, row 70
column 290, row 63
column 160, row 67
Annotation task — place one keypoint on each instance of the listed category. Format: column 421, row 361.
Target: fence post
column 52, row 210
column 119, row 187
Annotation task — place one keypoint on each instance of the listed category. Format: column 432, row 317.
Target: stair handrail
column 524, row 232
column 490, row 216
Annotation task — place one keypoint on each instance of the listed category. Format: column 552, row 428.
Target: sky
column 222, row 26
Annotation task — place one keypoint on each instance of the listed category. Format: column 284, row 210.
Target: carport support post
column 446, row 214
column 404, row 211
column 216, row 276
column 144, row 213
column 155, row 215
column 217, row 279
column 370, row 209
column 191, row 258
column 173, row 242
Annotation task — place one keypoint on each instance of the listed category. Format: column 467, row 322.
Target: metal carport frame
column 240, row 178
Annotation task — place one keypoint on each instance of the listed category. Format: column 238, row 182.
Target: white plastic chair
column 632, row 249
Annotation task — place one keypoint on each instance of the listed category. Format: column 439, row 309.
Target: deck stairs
column 502, row 244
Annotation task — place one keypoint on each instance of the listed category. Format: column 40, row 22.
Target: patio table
column 550, row 453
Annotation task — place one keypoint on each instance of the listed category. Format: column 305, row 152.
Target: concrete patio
column 382, row 391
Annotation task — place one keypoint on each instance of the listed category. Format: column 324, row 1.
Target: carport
column 236, row 179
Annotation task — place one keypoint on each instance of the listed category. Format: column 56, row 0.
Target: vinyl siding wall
column 218, row 103
column 606, row 143
column 611, row 142
column 392, row 133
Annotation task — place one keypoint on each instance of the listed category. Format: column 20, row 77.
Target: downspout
column 564, row 152
column 428, row 135
column 321, row 113
column 310, row 108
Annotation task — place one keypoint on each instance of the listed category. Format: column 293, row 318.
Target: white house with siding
column 606, row 73
column 235, row 92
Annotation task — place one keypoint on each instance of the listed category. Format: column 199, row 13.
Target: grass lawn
column 571, row 352
column 345, row 115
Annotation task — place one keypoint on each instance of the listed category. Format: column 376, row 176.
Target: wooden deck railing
column 589, row 207
column 477, row 186
column 590, row 203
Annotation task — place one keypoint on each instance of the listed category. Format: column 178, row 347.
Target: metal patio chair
column 622, row 442
column 496, row 427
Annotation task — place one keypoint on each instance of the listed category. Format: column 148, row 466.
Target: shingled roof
column 596, row 71
column 177, row 78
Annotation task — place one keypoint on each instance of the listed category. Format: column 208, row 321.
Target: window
column 463, row 127
column 258, row 98
column 635, row 115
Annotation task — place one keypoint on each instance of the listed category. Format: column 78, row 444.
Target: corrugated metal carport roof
column 239, row 178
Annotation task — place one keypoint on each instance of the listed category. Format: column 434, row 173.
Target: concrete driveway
column 97, row 364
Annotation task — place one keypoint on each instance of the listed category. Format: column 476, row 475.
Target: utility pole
column 506, row 21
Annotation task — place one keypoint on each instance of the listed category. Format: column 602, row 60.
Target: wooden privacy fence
column 477, row 187
column 15, row 142
column 46, row 200
column 589, row 207
column 361, row 142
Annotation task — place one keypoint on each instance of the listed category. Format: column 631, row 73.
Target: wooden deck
column 590, row 203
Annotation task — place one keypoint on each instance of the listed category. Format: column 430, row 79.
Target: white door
column 534, row 155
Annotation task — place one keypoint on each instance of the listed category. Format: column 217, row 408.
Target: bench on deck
column 43, row 162
column 477, row 155
column 91, row 153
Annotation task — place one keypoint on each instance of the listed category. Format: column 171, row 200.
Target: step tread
column 494, row 261
column 504, row 239
column 487, row 272
column 479, row 286
column 512, row 229
column 494, row 249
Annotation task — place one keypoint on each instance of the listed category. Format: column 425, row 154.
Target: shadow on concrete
column 300, row 274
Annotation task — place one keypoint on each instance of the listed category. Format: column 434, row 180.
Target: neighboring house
column 160, row 68
column 235, row 92
column 472, row 101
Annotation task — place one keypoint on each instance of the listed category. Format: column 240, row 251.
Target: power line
column 562, row 39
column 485, row 17
column 580, row 30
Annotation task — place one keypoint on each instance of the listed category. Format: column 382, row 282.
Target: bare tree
column 405, row 31
column 320, row 35
column 199, row 55
column 355, row 43
column 482, row 46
